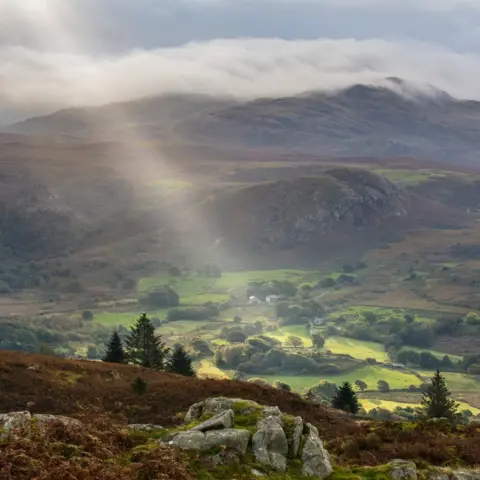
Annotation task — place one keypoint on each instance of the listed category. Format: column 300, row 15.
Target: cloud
column 246, row 68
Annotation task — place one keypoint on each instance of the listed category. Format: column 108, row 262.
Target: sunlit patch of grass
column 369, row 374
column 371, row 403
column 284, row 333
column 457, row 382
column 356, row 348
column 411, row 177
column 205, row 368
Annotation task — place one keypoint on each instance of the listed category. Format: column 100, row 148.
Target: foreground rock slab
column 315, row 458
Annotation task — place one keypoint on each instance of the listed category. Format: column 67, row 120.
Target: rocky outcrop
column 403, row 470
column 144, row 427
column 275, row 439
column 236, row 440
column 21, row 423
column 315, row 459
column 221, row 420
column 291, row 212
column 270, row 445
column 213, row 406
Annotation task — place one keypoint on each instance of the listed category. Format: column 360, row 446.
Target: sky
column 60, row 53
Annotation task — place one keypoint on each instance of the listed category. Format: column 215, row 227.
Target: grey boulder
column 144, row 427
column 270, row 445
column 403, row 470
column 194, row 440
column 316, row 460
column 221, row 420
column 14, row 423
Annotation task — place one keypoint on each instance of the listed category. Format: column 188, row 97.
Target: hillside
column 287, row 213
column 359, row 121
column 101, row 397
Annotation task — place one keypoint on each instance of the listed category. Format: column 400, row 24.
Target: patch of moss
column 361, row 473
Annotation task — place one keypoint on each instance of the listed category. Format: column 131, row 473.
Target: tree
column 143, row 347
column 235, row 336
column 383, row 386
column 436, row 400
column 295, row 341
column 114, row 353
column 174, row 271
column 139, row 386
column 361, row 385
column 346, row 399
column 180, row 363
column 318, row 341
column 92, row 352
column 87, row 315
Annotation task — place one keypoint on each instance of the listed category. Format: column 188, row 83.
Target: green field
column 371, row 403
column 439, row 355
column 369, row 374
column 283, row 333
column 457, row 382
column 197, row 290
column 410, row 177
column 113, row 319
column 356, row 348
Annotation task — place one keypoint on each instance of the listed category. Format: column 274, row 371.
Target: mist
column 33, row 82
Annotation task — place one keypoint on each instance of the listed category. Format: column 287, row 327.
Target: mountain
column 359, row 121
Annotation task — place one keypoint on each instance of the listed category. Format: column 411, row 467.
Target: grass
column 182, row 327
column 234, row 280
column 439, row 355
column 283, row 334
column 207, row 369
column 197, row 290
column 411, row 177
column 203, row 298
column 369, row 374
column 356, row 348
column 113, row 319
column 371, row 403
column 457, row 382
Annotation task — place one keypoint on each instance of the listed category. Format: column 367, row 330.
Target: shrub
column 174, row 271
column 236, row 337
column 163, row 297
column 282, row 386
column 328, row 282
column 139, row 386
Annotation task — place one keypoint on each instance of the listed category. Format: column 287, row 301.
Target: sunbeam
column 139, row 160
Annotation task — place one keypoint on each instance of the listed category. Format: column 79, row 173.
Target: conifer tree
column 436, row 400
column 346, row 399
column 143, row 347
column 114, row 353
column 180, row 363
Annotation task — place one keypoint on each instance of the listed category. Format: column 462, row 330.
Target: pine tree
column 180, row 363
column 346, row 399
column 143, row 347
column 114, row 353
column 436, row 400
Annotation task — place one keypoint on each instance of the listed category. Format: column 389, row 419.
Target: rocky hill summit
column 288, row 213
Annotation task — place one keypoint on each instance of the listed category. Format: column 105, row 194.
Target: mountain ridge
column 363, row 120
